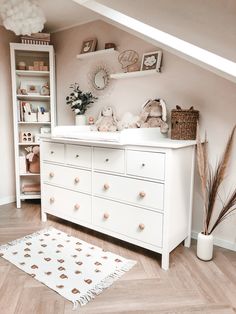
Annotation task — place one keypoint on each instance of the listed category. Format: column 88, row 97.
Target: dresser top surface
column 158, row 143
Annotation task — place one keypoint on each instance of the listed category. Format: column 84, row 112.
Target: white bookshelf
column 23, row 79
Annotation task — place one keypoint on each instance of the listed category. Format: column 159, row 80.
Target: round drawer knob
column 141, row 226
column 142, row 194
column 77, row 206
column 52, row 199
column 51, row 174
column 107, row 159
column 77, row 156
column 52, row 152
column 106, row 186
column 106, row 216
column 77, row 180
column 143, row 164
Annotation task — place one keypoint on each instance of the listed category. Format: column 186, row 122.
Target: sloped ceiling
column 61, row 14
column 202, row 32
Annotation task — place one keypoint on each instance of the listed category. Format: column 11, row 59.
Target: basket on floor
column 184, row 123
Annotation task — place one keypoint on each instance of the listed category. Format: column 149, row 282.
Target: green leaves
column 78, row 100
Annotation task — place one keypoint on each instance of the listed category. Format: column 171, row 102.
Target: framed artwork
column 89, row 45
column 151, row 61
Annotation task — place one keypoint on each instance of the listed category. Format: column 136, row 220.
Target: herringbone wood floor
column 190, row 286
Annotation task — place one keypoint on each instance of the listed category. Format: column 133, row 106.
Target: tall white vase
column 80, row 119
column 205, row 246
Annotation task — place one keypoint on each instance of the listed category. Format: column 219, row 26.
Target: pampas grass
column 211, row 181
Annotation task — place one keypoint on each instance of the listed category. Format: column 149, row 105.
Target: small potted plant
column 211, row 182
column 79, row 103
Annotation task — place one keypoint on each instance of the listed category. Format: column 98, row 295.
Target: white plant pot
column 205, row 246
column 80, row 119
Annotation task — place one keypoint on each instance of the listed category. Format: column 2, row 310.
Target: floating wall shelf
column 33, row 97
column 117, row 76
column 87, row 55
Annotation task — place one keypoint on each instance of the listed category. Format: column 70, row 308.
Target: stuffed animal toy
column 128, row 121
column 33, row 158
column 153, row 115
column 106, row 121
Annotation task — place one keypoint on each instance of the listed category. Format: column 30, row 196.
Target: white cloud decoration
column 23, row 17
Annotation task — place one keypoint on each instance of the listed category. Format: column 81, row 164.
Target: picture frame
column 151, row 61
column 89, row 45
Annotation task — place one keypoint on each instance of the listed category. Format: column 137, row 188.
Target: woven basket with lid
column 184, row 123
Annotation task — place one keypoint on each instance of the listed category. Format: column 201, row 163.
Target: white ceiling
column 62, row 14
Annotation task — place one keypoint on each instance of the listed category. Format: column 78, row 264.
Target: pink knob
column 141, row 226
column 51, row 174
column 77, row 206
column 106, row 186
column 142, row 194
column 106, row 216
column 77, row 180
column 52, row 199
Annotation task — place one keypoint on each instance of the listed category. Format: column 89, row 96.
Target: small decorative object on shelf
column 36, row 39
column 79, row 102
column 91, row 120
column 106, row 121
column 154, row 115
column 45, row 90
column 128, row 58
column 29, row 189
column 26, row 137
column 21, row 65
column 211, row 185
column 184, row 123
column 110, row 45
column 45, row 130
column 151, row 61
column 89, row 45
column 33, row 158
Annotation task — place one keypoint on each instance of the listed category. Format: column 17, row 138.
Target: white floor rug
column 75, row 269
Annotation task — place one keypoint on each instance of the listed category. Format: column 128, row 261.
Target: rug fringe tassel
column 105, row 283
column 6, row 246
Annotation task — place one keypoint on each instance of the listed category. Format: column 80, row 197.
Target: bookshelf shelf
column 29, row 174
column 32, row 97
column 29, row 196
column 32, row 73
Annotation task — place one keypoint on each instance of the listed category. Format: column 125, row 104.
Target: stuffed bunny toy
column 153, row 115
column 106, row 121
column 33, row 158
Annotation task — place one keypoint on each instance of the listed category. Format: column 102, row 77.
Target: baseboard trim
column 7, row 200
column 219, row 242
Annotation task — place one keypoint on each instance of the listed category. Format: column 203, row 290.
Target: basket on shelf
column 36, row 39
column 184, row 123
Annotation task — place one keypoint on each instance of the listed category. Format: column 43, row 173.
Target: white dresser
column 138, row 193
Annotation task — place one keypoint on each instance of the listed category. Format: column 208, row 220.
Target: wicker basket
column 184, row 123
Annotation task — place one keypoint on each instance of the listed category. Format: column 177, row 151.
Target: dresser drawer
column 69, row 203
column 77, row 155
column 146, row 164
column 53, row 152
column 139, row 192
column 109, row 159
column 70, row 178
column 134, row 222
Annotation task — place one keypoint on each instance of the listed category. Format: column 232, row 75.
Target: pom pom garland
column 22, row 17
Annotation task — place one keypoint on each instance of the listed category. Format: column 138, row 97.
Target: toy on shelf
column 154, row 115
column 26, row 137
column 128, row 121
column 106, row 121
column 33, row 158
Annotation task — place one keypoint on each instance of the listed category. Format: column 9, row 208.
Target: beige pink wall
column 179, row 83
column 7, row 181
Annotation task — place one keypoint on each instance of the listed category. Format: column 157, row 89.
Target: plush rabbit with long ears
column 153, row 115
column 107, row 121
